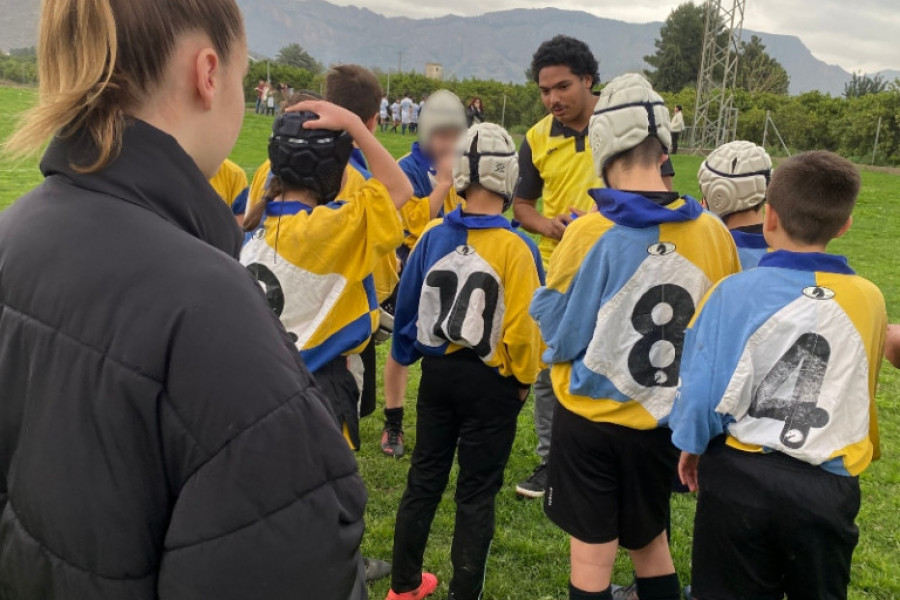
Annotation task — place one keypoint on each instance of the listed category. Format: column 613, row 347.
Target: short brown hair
column 355, row 88
column 814, row 194
column 98, row 59
column 646, row 154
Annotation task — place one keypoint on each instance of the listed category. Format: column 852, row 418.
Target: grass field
column 530, row 556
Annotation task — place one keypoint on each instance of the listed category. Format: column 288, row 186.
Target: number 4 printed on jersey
column 790, row 391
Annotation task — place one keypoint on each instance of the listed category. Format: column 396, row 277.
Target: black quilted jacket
column 159, row 436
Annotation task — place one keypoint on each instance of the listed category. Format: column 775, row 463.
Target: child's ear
column 372, row 123
column 845, row 228
column 770, row 219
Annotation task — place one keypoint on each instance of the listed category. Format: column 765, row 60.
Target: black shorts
column 768, row 525
column 609, row 482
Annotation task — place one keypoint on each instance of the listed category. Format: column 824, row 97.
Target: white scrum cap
column 627, row 113
column 487, row 156
column 442, row 110
column 735, row 177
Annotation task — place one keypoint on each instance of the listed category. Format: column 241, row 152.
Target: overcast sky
column 855, row 34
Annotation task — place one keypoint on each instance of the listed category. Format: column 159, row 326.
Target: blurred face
column 443, row 143
column 567, row 96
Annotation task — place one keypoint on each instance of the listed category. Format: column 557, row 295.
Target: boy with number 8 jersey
column 781, row 401
column 624, row 282
column 463, row 305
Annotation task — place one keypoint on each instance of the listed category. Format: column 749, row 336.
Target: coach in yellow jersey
column 555, row 164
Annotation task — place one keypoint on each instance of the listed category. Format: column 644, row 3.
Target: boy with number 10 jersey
column 463, row 306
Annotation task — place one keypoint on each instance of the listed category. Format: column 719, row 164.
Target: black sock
column 664, row 587
column 576, row 594
column 394, row 416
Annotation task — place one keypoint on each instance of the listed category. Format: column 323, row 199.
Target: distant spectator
column 383, row 113
column 406, row 113
column 676, row 126
column 260, row 92
column 270, row 101
column 414, row 120
column 395, row 115
column 475, row 112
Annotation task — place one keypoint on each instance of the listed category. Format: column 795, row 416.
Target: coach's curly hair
column 568, row 51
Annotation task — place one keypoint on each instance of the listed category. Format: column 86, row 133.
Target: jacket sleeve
column 267, row 501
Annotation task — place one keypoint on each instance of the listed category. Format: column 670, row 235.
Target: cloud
column 858, row 35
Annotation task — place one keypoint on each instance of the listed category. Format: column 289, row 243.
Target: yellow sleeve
column 521, row 336
column 352, row 239
column 415, row 214
column 258, row 186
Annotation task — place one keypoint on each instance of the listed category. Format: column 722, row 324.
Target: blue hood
column 636, row 211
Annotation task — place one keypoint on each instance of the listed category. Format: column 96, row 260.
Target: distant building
column 434, row 71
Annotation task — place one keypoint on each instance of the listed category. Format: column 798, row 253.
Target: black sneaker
column 536, row 485
column 392, row 440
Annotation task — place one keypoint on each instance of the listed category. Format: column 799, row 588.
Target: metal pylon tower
column 715, row 118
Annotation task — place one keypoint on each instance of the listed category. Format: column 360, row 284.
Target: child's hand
column 445, row 170
column 687, row 470
column 331, row 116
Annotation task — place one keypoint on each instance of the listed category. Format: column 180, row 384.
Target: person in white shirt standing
column 676, row 126
column 406, row 113
column 395, row 115
column 383, row 113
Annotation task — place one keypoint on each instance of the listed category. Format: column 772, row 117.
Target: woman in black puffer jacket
column 159, row 436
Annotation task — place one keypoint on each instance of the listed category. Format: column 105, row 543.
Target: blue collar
column 636, row 211
column 458, row 219
column 424, row 162
column 807, row 261
column 748, row 240
column 358, row 162
column 277, row 208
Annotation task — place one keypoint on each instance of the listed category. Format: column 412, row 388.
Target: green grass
column 530, row 555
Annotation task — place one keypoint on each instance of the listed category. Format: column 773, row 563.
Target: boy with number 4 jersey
column 463, row 305
column 781, row 401
column 623, row 285
column 733, row 179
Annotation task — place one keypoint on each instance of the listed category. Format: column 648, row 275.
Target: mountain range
column 496, row 45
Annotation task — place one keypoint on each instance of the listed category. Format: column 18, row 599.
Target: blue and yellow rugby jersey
column 416, row 214
column 751, row 247
column 468, row 284
column 561, row 171
column 230, row 182
column 385, row 274
column 316, row 264
column 795, row 373
column 356, row 175
column 623, row 286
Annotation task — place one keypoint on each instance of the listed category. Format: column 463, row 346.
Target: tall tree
column 676, row 63
column 862, row 84
column 295, row 56
column 759, row 72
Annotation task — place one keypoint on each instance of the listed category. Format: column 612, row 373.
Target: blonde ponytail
column 76, row 61
column 88, row 80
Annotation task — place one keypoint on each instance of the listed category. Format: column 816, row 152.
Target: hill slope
column 496, row 45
